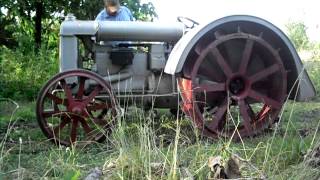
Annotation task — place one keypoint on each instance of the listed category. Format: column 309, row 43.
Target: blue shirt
column 123, row 14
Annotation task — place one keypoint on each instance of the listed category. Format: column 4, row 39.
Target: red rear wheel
column 240, row 75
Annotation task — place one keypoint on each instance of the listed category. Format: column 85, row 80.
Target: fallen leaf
column 214, row 162
column 216, row 167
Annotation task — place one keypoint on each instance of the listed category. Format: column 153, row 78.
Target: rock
column 221, row 170
column 232, row 169
column 95, row 174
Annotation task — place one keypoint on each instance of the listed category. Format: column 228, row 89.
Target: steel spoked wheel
column 236, row 86
column 69, row 111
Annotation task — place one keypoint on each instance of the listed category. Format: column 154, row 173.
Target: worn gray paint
column 68, row 53
column 139, row 31
column 111, row 31
column 76, row 27
column 124, row 30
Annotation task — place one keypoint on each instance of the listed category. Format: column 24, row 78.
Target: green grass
column 157, row 148
column 144, row 147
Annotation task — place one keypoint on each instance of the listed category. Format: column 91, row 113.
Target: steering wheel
column 187, row 21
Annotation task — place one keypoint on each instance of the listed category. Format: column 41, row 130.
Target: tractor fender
column 300, row 87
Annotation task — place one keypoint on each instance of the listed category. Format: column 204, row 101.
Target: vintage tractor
column 240, row 65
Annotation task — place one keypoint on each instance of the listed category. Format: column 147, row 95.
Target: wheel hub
column 237, row 86
column 77, row 110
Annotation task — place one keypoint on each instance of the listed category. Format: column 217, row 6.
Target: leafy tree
column 143, row 12
column 28, row 12
column 87, row 10
column 297, row 32
column 38, row 16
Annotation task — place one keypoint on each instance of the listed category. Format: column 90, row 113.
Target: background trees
column 36, row 20
column 297, row 32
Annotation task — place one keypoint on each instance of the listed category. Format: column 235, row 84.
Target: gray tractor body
column 141, row 60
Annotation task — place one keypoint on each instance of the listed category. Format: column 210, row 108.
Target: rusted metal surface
column 222, row 81
column 66, row 116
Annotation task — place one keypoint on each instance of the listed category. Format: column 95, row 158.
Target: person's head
column 112, row 6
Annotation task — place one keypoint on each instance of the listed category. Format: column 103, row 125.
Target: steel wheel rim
column 78, row 109
column 251, row 124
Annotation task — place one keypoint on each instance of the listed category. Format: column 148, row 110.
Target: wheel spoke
column 264, row 99
column 219, row 117
column 58, row 129
column 246, row 116
column 85, row 126
column 48, row 114
column 222, row 62
column 73, row 133
column 265, row 73
column 56, row 99
column 199, row 48
column 81, row 87
column 210, row 87
column 93, row 94
column 210, row 73
column 96, row 107
column 246, row 56
column 252, row 114
column 102, row 114
column 101, row 122
column 67, row 90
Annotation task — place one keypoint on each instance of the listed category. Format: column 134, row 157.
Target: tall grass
column 144, row 146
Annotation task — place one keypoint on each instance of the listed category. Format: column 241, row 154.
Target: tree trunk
column 38, row 25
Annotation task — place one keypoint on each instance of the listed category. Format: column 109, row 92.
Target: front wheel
column 69, row 111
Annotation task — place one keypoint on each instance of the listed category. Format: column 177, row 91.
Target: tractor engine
column 131, row 56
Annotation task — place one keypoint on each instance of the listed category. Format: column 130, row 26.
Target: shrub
column 23, row 74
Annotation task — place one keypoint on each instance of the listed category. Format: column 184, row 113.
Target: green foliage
column 19, row 18
column 22, row 75
column 314, row 74
column 88, row 10
column 316, row 51
column 72, row 175
column 143, row 12
column 297, row 32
